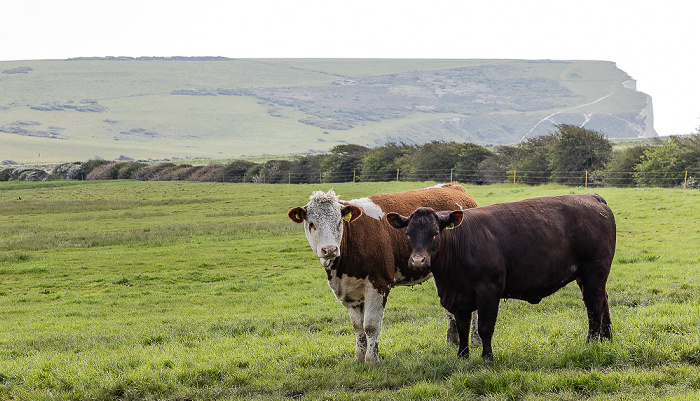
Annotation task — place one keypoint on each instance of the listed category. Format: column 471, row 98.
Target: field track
column 130, row 290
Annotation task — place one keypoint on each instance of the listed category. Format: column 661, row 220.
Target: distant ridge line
column 150, row 58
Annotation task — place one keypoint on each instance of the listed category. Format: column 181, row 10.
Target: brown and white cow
column 525, row 250
column 363, row 257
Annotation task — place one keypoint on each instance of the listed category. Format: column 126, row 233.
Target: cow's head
column 423, row 228
column 323, row 219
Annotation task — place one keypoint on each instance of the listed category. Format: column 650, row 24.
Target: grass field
column 127, row 290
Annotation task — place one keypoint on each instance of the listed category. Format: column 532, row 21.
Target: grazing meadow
column 131, row 290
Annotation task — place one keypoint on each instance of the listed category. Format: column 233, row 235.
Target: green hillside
column 68, row 110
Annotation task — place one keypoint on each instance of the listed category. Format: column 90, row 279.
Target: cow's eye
column 312, row 226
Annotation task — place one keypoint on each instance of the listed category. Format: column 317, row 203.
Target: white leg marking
column 374, row 313
column 357, row 318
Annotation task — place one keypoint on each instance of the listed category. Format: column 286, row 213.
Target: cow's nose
column 418, row 261
column 329, row 252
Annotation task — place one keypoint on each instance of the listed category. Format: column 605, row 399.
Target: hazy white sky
column 656, row 42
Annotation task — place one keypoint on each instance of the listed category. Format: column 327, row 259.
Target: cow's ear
column 350, row 212
column 451, row 220
column 297, row 214
column 396, row 220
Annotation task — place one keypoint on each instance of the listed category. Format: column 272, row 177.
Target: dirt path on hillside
column 547, row 118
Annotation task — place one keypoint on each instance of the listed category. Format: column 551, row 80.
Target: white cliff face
column 646, row 121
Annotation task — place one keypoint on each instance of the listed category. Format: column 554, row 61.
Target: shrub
column 276, row 171
column 342, row 161
column 620, row 170
column 101, row 172
column 127, row 170
column 154, row 172
column 469, row 158
column 577, row 149
column 666, row 164
column 68, row 171
column 531, row 161
column 91, row 164
column 380, row 164
column 6, row 173
column 211, row 172
column 235, row 171
column 307, row 169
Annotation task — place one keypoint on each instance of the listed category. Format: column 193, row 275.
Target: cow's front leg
column 357, row 317
column 374, row 313
column 488, row 312
column 453, row 332
column 463, row 323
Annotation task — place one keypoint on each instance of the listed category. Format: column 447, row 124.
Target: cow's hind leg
column 357, row 317
column 476, row 339
column 374, row 313
column 606, row 331
column 452, row 332
column 596, row 300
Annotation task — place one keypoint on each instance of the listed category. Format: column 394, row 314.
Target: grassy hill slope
column 66, row 110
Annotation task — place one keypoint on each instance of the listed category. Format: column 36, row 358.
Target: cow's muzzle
column 419, row 261
column 330, row 252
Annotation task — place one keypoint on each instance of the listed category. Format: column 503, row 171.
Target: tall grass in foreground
column 178, row 290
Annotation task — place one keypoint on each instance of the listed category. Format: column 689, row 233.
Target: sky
column 656, row 42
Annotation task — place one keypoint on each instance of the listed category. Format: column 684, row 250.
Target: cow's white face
column 323, row 219
column 324, row 229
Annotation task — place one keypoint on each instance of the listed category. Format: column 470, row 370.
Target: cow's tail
column 600, row 199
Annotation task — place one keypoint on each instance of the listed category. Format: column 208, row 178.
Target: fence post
column 290, row 178
column 397, row 175
column 353, row 176
column 514, row 176
column 685, row 180
column 586, row 186
column 451, row 174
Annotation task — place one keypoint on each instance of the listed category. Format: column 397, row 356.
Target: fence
column 683, row 179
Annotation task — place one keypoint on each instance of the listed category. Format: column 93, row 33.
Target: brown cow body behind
column 362, row 256
column 525, row 250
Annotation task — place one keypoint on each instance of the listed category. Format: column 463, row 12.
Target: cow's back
column 441, row 197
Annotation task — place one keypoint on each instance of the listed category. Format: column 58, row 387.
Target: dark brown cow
column 363, row 257
column 525, row 250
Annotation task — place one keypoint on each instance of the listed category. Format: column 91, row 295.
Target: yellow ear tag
column 450, row 226
column 348, row 216
column 297, row 216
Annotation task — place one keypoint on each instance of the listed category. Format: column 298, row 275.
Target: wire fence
column 682, row 179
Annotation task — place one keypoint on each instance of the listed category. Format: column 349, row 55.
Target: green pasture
column 130, row 290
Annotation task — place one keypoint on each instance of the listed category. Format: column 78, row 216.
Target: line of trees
column 571, row 155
